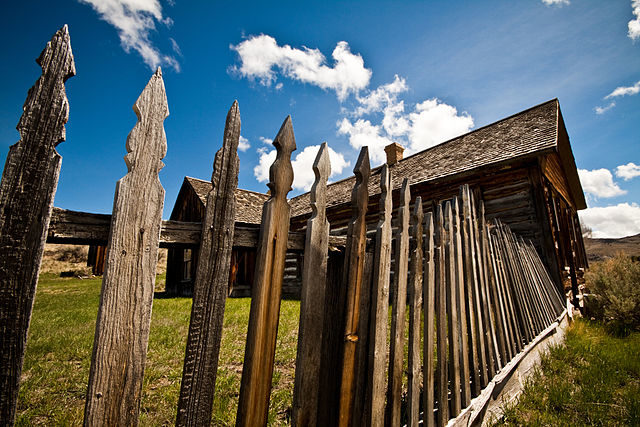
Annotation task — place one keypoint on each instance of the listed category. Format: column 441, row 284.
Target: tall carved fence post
column 415, row 299
column 314, row 277
column 398, row 319
column 374, row 408
column 28, row 187
column 353, row 277
column 211, row 283
column 429, row 309
column 124, row 315
column 255, row 387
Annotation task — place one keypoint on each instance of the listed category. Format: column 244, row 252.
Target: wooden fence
column 477, row 295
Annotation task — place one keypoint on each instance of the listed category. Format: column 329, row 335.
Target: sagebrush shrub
column 616, row 284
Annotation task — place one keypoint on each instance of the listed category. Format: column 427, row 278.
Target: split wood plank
column 312, row 298
column 452, row 310
column 124, row 315
column 374, row 407
column 29, row 182
column 82, row 228
column 399, row 303
column 415, row 300
column 428, row 306
column 440, row 297
column 211, row 283
column 470, row 279
column 463, row 326
column 257, row 371
column 352, row 279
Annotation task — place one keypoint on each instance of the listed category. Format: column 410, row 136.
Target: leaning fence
column 477, row 295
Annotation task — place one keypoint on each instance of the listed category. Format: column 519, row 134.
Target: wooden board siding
column 553, row 171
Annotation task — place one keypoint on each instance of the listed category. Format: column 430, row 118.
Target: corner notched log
column 255, row 387
column 28, row 187
column 124, row 315
column 312, row 310
column 211, row 283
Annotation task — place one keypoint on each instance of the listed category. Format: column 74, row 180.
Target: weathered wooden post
column 353, row 277
column 441, row 313
column 28, row 187
column 415, row 300
column 255, row 387
column 429, row 309
column 398, row 319
column 312, row 311
column 374, row 408
column 211, row 283
column 124, row 315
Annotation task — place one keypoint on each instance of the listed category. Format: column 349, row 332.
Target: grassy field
column 60, row 341
column 593, row 379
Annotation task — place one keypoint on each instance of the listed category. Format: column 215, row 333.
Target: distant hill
column 599, row 249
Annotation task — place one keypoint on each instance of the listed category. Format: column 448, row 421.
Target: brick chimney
column 394, row 153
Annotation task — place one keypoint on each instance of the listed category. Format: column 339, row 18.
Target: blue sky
column 349, row 73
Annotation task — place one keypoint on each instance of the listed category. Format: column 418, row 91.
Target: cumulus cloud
column 135, row 20
column 243, row 144
column 634, row 24
column 303, row 175
column 555, row 2
column 599, row 183
column 628, row 171
column 602, row 110
column 363, row 133
column 624, row 90
column 433, row 122
column 615, row 221
column 267, row 141
column 262, row 58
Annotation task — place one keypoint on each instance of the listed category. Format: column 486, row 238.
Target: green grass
column 591, row 379
column 58, row 356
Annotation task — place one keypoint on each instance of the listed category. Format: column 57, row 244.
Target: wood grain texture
column 415, row 301
column 257, row 371
column 353, row 276
column 83, row 228
column 442, row 376
column 374, row 411
column 312, row 310
column 124, row 315
column 453, row 322
column 29, row 183
column 211, row 283
column 428, row 306
column 399, row 302
column 461, row 298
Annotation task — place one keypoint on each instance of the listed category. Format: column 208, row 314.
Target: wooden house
column 522, row 167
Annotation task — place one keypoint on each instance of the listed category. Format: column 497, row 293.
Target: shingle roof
column 248, row 203
column 530, row 131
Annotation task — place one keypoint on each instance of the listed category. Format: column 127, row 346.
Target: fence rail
column 481, row 292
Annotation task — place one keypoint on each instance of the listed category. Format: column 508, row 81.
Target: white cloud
column 433, row 122
column 383, row 96
column 628, row 171
column 362, row 133
column 555, row 2
column 135, row 20
column 624, row 90
column 602, row 110
column 261, row 55
column 243, row 144
column 616, row 221
column 634, row 24
column 267, row 141
column 599, row 183
column 303, row 175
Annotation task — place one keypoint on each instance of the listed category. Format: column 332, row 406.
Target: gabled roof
column 526, row 134
column 248, row 203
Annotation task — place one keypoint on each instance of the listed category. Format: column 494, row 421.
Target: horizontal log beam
column 83, row 228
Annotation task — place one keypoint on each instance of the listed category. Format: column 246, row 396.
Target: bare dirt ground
column 601, row 249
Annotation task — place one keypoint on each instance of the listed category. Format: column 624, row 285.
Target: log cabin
column 522, row 167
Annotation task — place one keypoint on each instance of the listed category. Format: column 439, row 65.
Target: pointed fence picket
column 484, row 292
